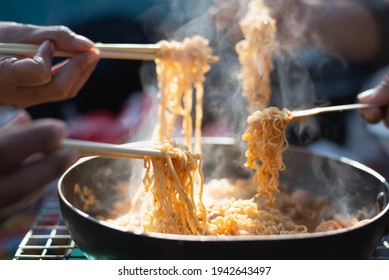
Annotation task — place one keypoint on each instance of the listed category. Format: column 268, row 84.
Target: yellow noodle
column 170, row 181
column 180, row 68
column 266, row 143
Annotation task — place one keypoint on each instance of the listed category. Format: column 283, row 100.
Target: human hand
column 27, row 81
column 377, row 96
column 31, row 157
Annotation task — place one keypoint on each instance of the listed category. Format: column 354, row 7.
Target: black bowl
column 350, row 185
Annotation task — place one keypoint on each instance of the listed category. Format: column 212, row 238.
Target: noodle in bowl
column 106, row 187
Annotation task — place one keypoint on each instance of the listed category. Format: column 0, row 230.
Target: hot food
column 175, row 199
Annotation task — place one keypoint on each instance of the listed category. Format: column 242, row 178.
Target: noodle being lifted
column 181, row 67
column 266, row 128
column 266, row 144
column 170, row 183
column 172, row 207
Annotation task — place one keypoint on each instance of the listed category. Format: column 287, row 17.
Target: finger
column 81, row 80
column 33, row 71
column 372, row 115
column 20, row 142
column 64, row 38
column 30, row 178
column 376, row 96
column 57, row 68
column 20, row 117
column 62, row 82
column 73, row 74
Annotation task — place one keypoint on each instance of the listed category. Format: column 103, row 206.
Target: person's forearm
column 346, row 28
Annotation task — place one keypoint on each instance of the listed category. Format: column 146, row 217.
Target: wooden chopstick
column 89, row 148
column 319, row 110
column 136, row 48
column 111, row 51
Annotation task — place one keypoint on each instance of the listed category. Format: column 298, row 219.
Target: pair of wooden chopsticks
column 110, row 51
column 89, row 148
column 120, row 151
column 319, row 110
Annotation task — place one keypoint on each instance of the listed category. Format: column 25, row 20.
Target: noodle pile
column 245, row 217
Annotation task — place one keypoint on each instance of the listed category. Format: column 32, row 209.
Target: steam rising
column 349, row 189
column 223, row 101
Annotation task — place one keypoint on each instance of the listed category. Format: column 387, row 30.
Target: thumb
column 378, row 95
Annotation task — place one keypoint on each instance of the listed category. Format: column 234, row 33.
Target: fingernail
column 83, row 41
column 50, row 45
column 93, row 55
column 367, row 94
